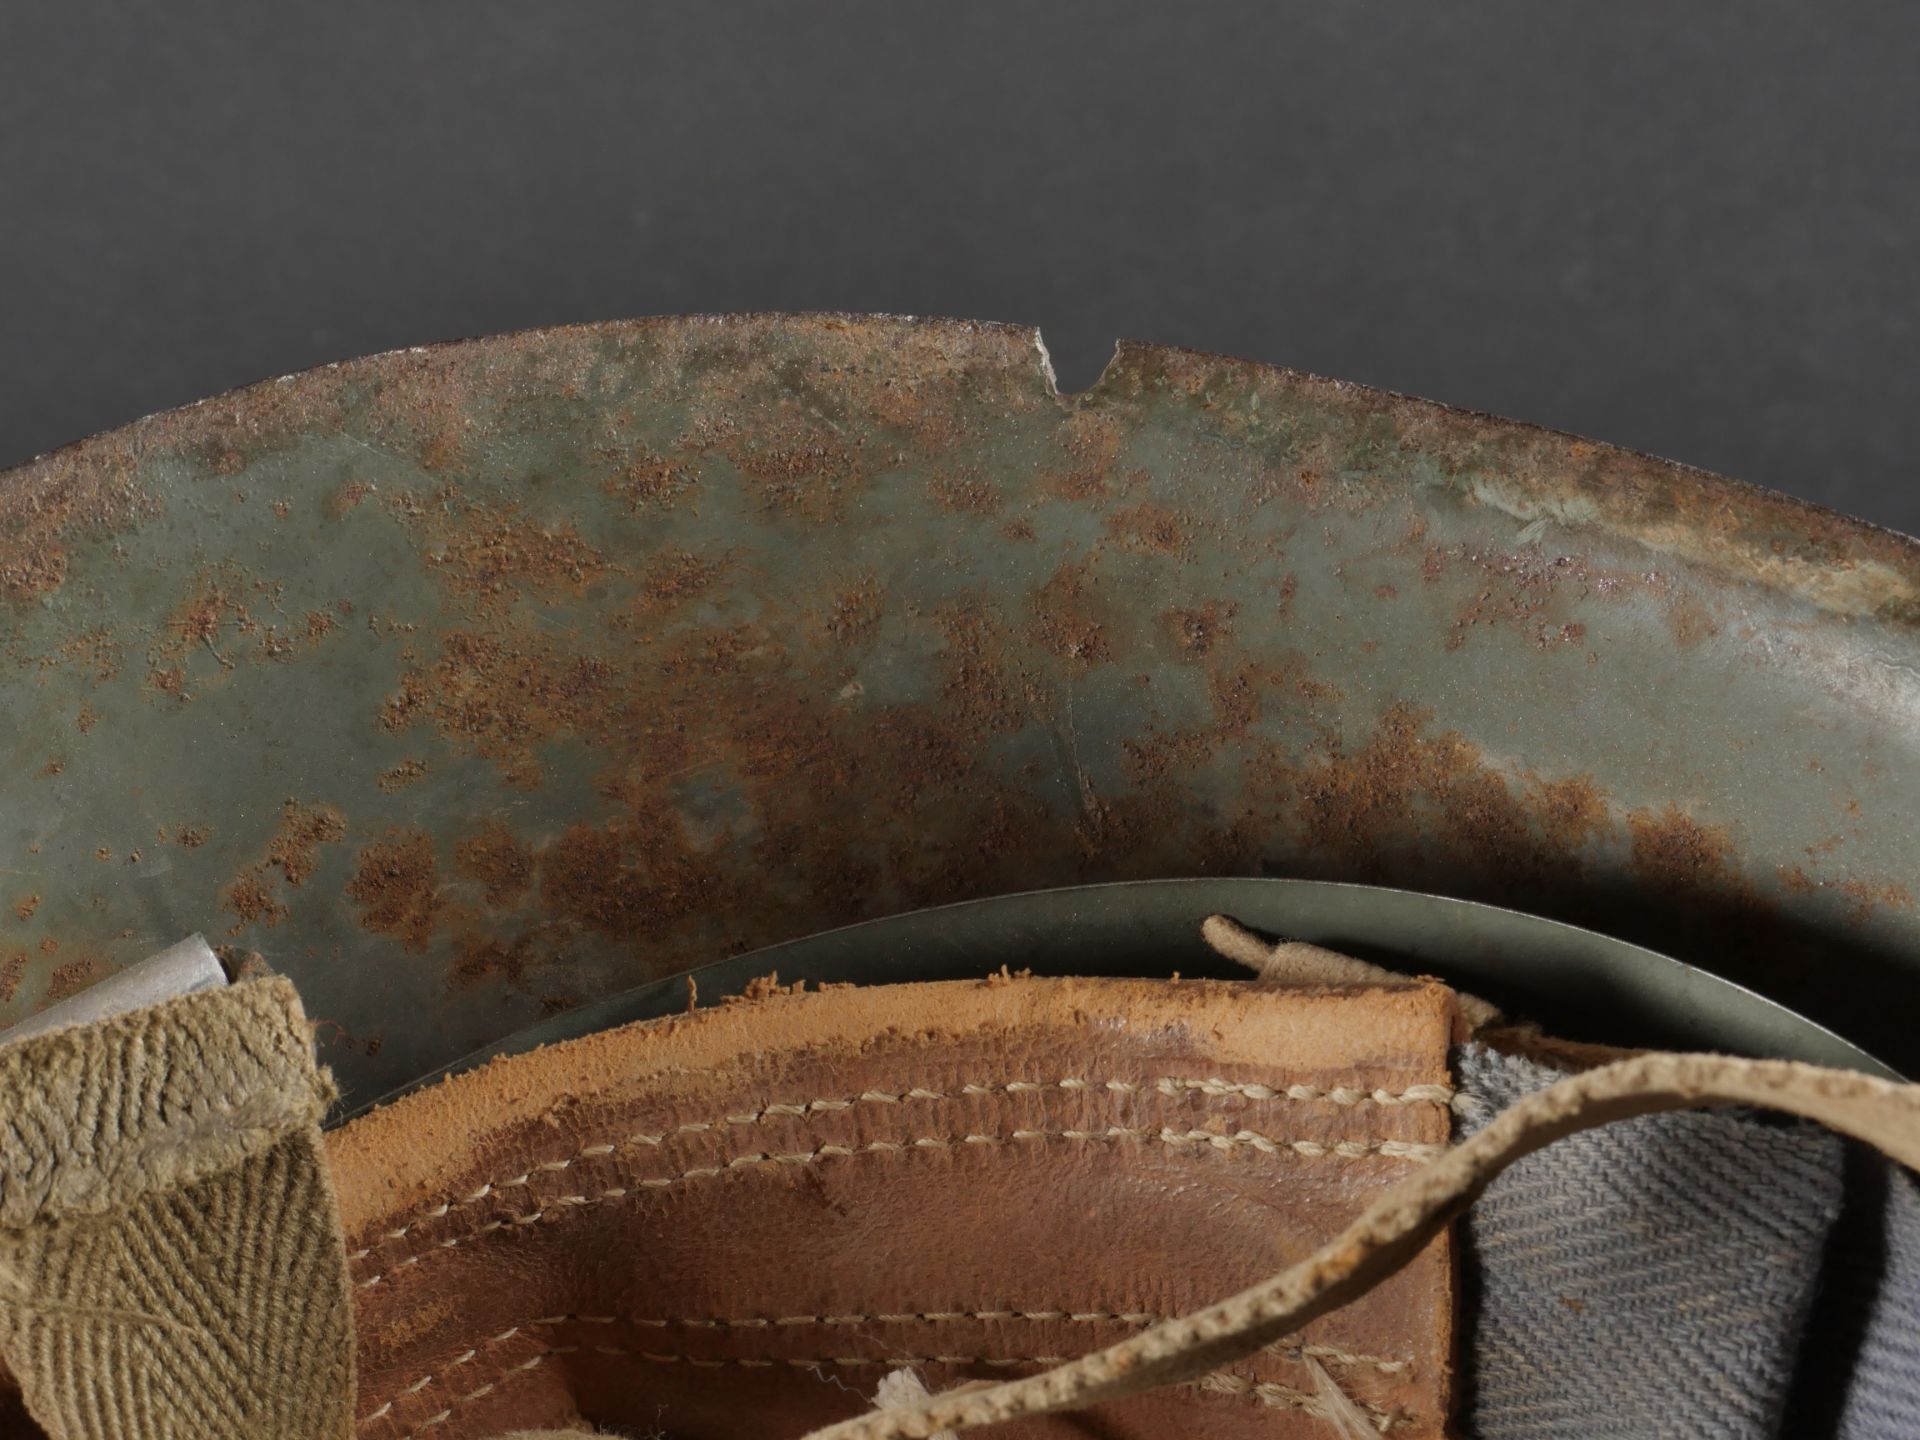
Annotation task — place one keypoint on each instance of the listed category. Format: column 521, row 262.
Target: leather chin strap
column 1395, row 1228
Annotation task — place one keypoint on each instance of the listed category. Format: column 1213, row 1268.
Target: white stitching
column 1441, row 1095
column 1266, row 1392
column 1328, row 1353
column 1248, row 1139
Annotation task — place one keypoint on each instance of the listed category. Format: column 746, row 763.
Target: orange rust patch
column 978, row 684
column 1196, row 632
column 399, row 777
column 74, row 976
column 1066, row 620
column 319, row 625
column 53, row 766
column 347, row 497
column 501, row 695
column 11, row 973
column 1571, row 810
column 1019, row 530
column 966, row 493
column 478, row 959
column 647, row 481
column 1865, row 898
column 1148, row 527
column 47, row 506
column 1092, row 441
column 1405, row 790
column 24, row 910
column 290, row 858
column 193, row 836
column 1689, row 620
column 397, row 885
column 800, row 468
column 1672, row 850
column 498, row 860
column 492, row 551
column 1795, row 880
column 856, row 609
column 675, row 577
column 631, row 875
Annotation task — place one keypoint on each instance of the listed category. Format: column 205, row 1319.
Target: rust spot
column 1066, row 620
column 498, row 861
column 1384, row 591
column 44, row 508
column 86, row 719
column 1689, row 620
column 502, row 694
column 49, row 946
column 399, row 777
column 799, row 467
column 103, row 853
column 53, row 766
column 282, row 509
column 74, row 976
column 478, row 959
column 319, row 626
column 193, row 836
column 1866, row 897
column 856, row 610
column 1571, row 809
column 978, row 683
column 302, row 830
column 647, row 482
column 1092, row 442
column 675, row 577
column 494, row 551
column 347, row 497
column 1196, row 632
column 11, row 973
column 1019, row 530
column 290, row 859
column 24, row 910
column 1796, row 880
column 1673, row 851
column 1147, row 527
column 1405, row 792
column 967, row 492
column 630, row 876
column 397, row 886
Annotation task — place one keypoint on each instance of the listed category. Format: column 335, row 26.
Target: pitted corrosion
column 484, row 680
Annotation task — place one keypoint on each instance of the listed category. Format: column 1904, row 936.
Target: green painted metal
column 476, row 683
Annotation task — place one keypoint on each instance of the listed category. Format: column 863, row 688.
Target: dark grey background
column 1681, row 227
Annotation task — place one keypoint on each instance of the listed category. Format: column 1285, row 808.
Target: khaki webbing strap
column 1395, row 1228
column 170, row 1258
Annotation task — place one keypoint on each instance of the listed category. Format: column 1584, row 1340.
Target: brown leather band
column 738, row 1222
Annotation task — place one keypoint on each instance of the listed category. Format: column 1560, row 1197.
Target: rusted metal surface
column 473, row 683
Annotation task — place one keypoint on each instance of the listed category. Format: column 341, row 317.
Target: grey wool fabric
column 1708, row 1274
column 170, row 1259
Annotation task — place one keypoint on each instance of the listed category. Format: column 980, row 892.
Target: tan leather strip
column 695, row 1224
column 1396, row 1227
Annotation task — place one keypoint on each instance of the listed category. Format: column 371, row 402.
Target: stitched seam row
column 1166, row 1085
column 1265, row 1392
column 1331, row 1354
column 1244, row 1139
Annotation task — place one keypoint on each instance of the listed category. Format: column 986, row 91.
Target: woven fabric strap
column 1391, row 1231
column 170, row 1257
